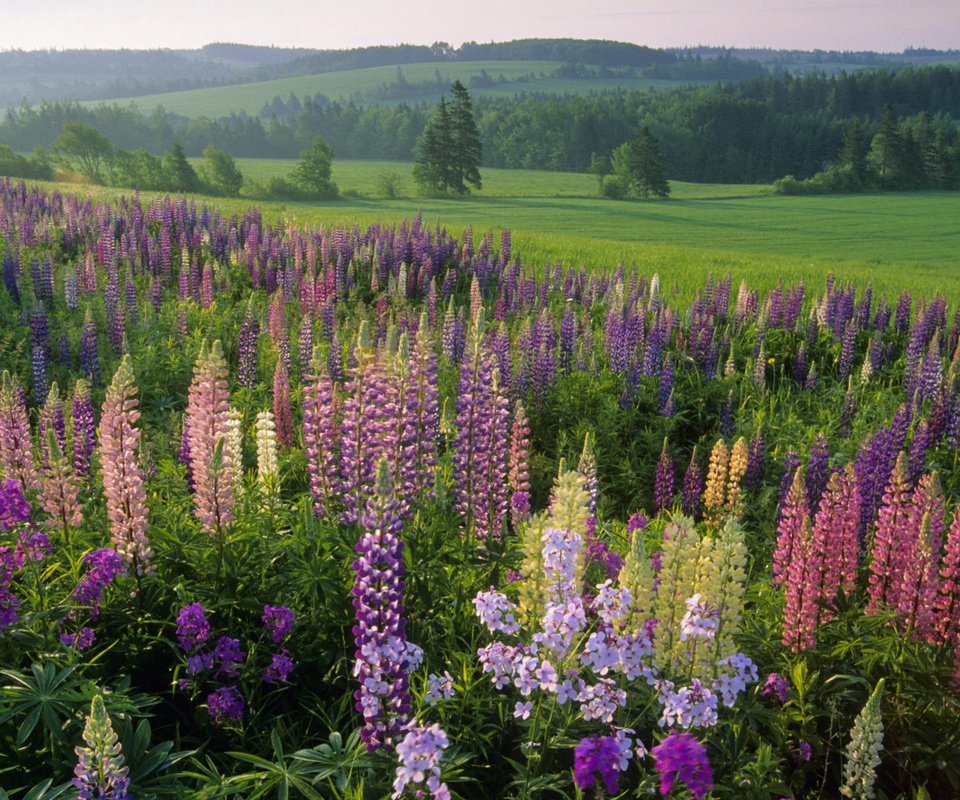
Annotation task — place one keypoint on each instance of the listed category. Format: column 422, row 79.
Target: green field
column 218, row 101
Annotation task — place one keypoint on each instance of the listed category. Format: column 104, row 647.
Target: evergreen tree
column 432, row 169
column 468, row 150
column 449, row 151
column 178, row 172
column 646, row 162
column 886, row 150
column 852, row 153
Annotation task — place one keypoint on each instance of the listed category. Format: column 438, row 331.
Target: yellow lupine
column 531, row 586
column 739, row 454
column 729, row 584
column 715, row 493
column 637, row 576
column 678, row 579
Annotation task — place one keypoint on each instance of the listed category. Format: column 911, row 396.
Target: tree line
column 758, row 130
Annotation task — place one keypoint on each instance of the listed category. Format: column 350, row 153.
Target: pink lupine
column 281, row 405
column 518, row 473
column 321, row 436
column 795, row 513
column 206, row 421
column 946, row 607
column 59, row 488
column 16, row 447
column 123, row 489
column 802, row 579
column 835, row 533
column 894, row 535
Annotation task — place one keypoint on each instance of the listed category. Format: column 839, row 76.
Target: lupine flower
column 84, row 429
column 518, row 475
column 888, row 556
column 16, row 447
column 863, row 750
column 40, row 354
column 795, row 512
column 663, row 484
column 60, row 489
column 420, row 753
column 122, row 476
column 692, row 487
column 754, row 475
column 100, row 771
column 102, row 569
column 587, row 466
column 597, row 755
column 818, row 471
column 14, row 508
column 211, row 461
column 802, row 582
column 680, row 757
column 947, row 604
column 381, row 660
column 249, row 332
column 281, row 405
column 835, row 535
column 320, row 436
column 268, row 473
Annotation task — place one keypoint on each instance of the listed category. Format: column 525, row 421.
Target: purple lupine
column 727, row 418
column 382, row 657
column 84, row 429
column 791, row 461
column 103, row 567
column 493, row 446
column 663, row 484
column 305, row 345
column 918, row 449
column 818, row 471
column 423, row 411
column 848, row 411
column 321, row 436
column 692, row 494
column 666, row 399
column 753, row 477
column 875, row 463
column 40, row 354
column 249, row 333
column 89, row 354
column 847, row 350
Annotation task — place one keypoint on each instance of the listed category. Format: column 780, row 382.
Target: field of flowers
column 345, row 513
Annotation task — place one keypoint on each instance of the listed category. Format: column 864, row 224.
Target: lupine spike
column 100, row 771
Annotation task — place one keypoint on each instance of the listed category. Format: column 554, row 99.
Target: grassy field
column 219, row 101
column 895, row 241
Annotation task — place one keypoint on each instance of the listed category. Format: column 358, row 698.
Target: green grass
column 219, row 101
column 894, row 241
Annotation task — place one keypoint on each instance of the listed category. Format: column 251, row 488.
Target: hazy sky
column 886, row 25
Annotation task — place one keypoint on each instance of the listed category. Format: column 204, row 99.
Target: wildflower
column 439, row 687
column 420, row 753
column 778, row 685
column 100, row 771
column 597, row 755
column 281, row 665
column 680, row 757
column 863, row 750
column 192, row 626
column 522, row 710
column 224, row 704
column 278, row 620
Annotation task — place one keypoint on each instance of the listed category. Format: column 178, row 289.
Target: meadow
column 249, row 98
column 393, row 509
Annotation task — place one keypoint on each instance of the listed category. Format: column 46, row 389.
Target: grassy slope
column 249, row 97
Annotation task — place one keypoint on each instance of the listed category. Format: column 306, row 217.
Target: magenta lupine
column 84, row 429
column 802, row 596
column 491, row 486
column 206, row 422
column 946, row 608
column 16, row 446
column 796, row 512
column 424, row 412
column 321, row 436
column 518, row 473
column 680, row 757
column 836, row 534
column 383, row 655
column 692, row 495
column 59, row 488
column 123, row 489
column 663, row 484
column 247, row 345
column 282, row 412
column 919, row 580
column 363, row 427
column 896, row 526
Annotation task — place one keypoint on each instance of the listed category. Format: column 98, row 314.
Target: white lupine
column 266, row 435
column 234, row 446
column 863, row 750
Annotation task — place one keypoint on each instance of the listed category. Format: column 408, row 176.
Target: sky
column 881, row 25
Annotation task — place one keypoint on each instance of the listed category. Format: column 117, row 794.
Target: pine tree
column 647, row 165
column 468, row 149
column 432, row 168
column 852, row 153
column 886, row 150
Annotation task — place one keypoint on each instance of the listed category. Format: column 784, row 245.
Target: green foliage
column 16, row 166
column 84, row 149
column 312, row 174
column 220, row 172
column 450, row 150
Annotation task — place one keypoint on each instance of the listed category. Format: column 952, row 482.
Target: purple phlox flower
column 420, row 753
column 693, row 706
column 103, row 567
column 278, row 620
column 439, row 687
column 700, row 621
column 776, row 684
column 225, row 704
column 729, row 685
column 496, row 612
column 281, row 665
column 522, row 710
column 680, row 757
column 82, row 639
column 192, row 626
column 597, row 755
column 806, row 751
column 199, row 663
